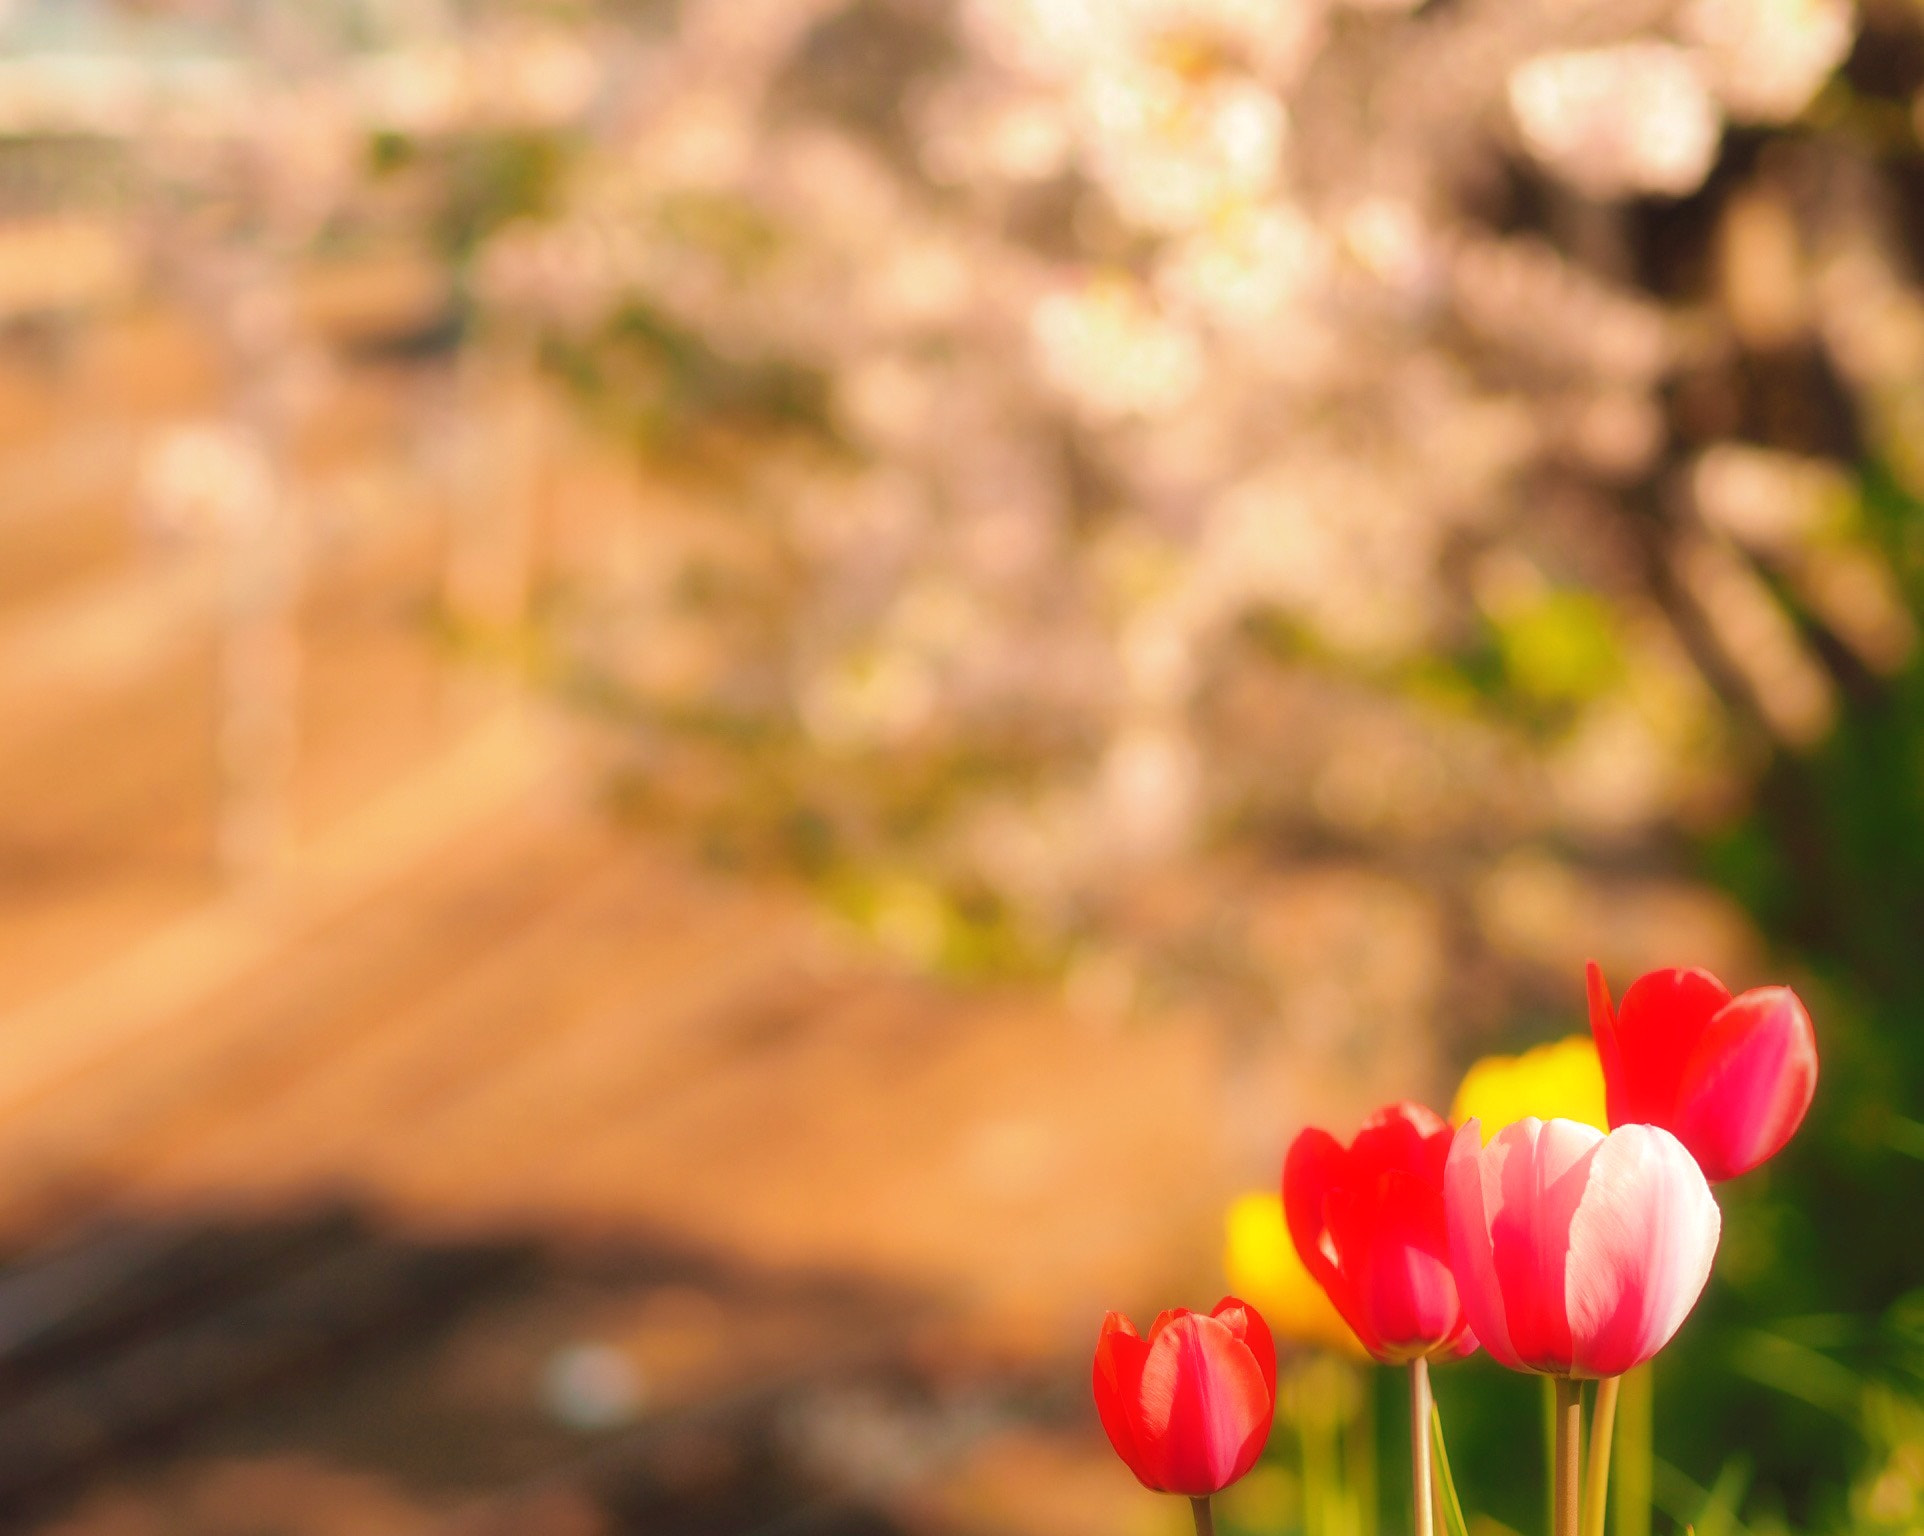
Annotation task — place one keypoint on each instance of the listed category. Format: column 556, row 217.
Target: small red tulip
column 1728, row 1077
column 1188, row 1408
column 1368, row 1221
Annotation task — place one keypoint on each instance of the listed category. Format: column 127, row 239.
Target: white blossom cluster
column 1199, row 382
column 1170, row 489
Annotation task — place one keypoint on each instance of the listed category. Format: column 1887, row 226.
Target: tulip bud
column 1577, row 1254
column 1188, row 1409
column 1367, row 1220
column 1730, row 1077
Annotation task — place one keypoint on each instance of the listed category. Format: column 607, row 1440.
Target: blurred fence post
column 259, row 670
column 262, row 556
column 500, row 435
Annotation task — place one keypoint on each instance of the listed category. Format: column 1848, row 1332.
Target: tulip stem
column 1569, row 1457
column 1205, row 1516
column 1422, row 1505
column 1603, row 1424
column 1633, row 1454
column 1549, row 1452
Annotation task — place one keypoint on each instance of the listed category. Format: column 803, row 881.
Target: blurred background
column 717, row 710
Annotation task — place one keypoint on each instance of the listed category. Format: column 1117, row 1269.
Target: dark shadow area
column 505, row 1381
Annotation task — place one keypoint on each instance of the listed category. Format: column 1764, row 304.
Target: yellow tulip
column 1265, row 1271
column 1559, row 1081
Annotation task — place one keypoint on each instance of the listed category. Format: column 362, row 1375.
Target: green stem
column 1567, row 1490
column 1205, row 1516
column 1603, row 1423
column 1549, row 1452
column 1634, row 1453
column 1422, row 1507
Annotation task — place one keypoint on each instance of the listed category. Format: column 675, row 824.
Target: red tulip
column 1729, row 1077
column 1368, row 1222
column 1578, row 1254
column 1189, row 1407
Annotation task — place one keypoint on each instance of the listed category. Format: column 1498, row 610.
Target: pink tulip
column 1729, row 1077
column 1576, row 1253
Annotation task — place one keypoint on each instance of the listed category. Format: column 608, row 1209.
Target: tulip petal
column 1407, row 1136
column 1461, row 1344
column 1748, row 1083
column 1120, row 1356
column 1658, row 1025
column 1353, row 1237
column 1468, row 1213
column 1539, row 1182
column 1603, row 1028
column 1640, row 1249
column 1396, row 1265
column 1314, row 1167
column 1246, row 1324
column 1206, row 1407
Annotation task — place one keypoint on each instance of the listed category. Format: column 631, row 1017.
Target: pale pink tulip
column 1576, row 1253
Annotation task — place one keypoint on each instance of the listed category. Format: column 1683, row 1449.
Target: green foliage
column 492, row 180
column 1560, row 647
column 668, row 390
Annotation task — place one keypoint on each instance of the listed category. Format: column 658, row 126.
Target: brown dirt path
column 469, row 1006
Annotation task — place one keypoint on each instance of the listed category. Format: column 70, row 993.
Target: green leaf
column 1719, row 1517
column 1712, row 1511
column 1798, row 1371
column 1445, row 1482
